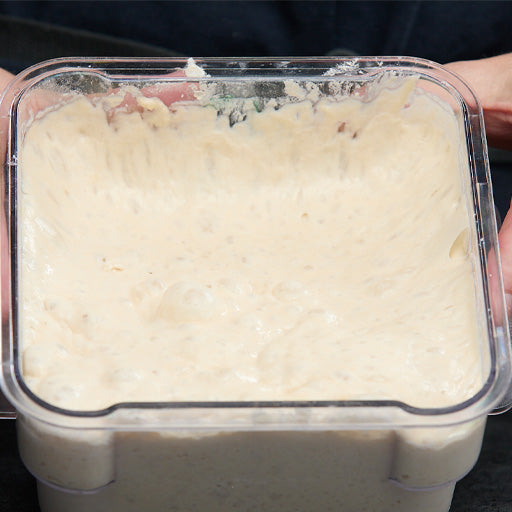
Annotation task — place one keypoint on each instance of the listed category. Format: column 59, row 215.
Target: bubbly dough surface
column 310, row 252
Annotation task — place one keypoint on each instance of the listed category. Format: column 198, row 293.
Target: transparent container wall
column 342, row 455
column 238, row 85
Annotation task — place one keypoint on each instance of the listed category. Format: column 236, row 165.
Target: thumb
column 505, row 243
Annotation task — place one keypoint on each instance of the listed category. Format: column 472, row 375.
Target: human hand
column 5, row 79
column 491, row 79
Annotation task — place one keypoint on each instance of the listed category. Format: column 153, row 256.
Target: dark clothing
column 440, row 31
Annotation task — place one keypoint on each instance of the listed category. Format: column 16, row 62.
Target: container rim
column 361, row 414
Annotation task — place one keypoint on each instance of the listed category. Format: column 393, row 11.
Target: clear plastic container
column 299, row 455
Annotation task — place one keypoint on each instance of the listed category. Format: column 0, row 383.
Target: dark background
column 441, row 31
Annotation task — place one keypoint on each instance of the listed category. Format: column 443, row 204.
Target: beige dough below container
column 323, row 455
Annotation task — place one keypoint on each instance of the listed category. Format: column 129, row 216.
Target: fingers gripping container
column 363, row 454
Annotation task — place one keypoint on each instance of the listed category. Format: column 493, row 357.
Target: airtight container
column 365, row 449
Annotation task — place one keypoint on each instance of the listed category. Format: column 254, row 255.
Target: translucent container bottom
column 299, row 471
column 269, row 497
